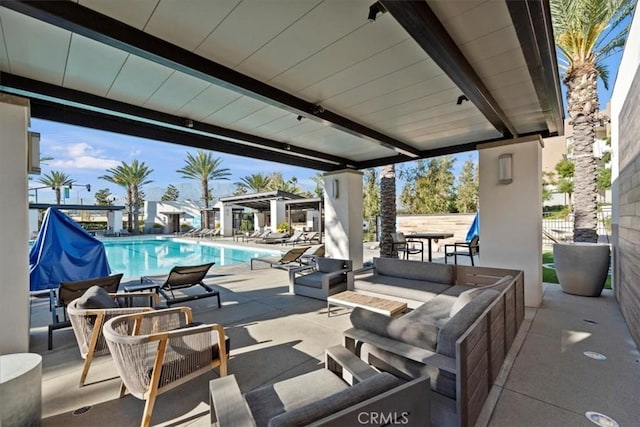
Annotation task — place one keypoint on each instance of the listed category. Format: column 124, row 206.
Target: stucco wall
column 627, row 237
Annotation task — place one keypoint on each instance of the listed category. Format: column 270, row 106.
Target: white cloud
column 81, row 156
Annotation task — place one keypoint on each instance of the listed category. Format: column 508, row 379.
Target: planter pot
column 582, row 268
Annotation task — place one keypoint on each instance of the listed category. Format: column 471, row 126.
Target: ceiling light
column 461, row 99
column 374, row 10
column 188, row 123
column 300, row 118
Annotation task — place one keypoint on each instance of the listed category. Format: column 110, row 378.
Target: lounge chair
column 181, row 277
column 347, row 392
column 274, row 238
column 296, row 237
column 192, row 233
column 261, row 235
column 89, row 312
column 68, row 291
column 308, row 259
column 285, row 261
column 313, row 236
column 158, row 350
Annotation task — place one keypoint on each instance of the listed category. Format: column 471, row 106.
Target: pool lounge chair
column 309, row 259
column 274, row 238
column 289, row 259
column 180, row 277
column 296, row 237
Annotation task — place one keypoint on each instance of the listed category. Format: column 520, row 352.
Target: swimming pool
column 148, row 257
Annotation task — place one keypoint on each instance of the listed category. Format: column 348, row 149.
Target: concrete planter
column 582, row 268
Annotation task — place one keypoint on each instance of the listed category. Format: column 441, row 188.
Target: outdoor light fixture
column 300, row 118
column 33, row 153
column 335, row 188
column 505, row 168
column 374, row 10
column 461, row 99
column 188, row 123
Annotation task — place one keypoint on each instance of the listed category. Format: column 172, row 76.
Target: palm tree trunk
column 58, row 195
column 582, row 97
column 205, row 199
column 136, row 208
column 387, row 211
column 129, row 209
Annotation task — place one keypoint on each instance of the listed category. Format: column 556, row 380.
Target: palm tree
column 56, row 180
column 131, row 177
column 204, row 167
column 387, row 210
column 586, row 33
column 257, row 182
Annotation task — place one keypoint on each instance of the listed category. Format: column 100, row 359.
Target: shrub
column 283, row 227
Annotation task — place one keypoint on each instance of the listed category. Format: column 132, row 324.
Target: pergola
column 336, row 86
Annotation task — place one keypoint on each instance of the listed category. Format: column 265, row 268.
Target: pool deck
column 547, row 381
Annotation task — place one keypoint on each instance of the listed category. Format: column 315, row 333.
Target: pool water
column 149, row 257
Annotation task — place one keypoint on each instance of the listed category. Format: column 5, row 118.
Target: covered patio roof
column 306, row 82
column 260, row 201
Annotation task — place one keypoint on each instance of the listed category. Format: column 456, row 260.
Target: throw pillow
column 466, row 296
column 94, row 298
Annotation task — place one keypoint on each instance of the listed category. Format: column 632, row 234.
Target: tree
column 103, row 197
column 565, row 170
column 318, row 179
column 387, row 210
column 467, row 197
column 256, row 183
column 204, row 167
column 277, row 182
column 371, row 196
column 429, row 186
column 56, row 180
column 131, row 177
column 171, row 194
column 586, row 33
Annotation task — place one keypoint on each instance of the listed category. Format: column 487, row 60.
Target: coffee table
column 354, row 299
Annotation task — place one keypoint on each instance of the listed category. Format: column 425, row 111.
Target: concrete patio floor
column 546, row 381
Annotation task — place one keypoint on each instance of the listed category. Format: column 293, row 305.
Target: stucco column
column 343, row 215
column 278, row 213
column 511, row 214
column 14, row 232
column 226, row 219
column 33, row 223
column 114, row 221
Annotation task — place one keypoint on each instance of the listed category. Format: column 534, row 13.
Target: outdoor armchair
column 67, row 292
column 181, row 277
column 469, row 249
column 284, row 261
column 408, row 246
column 88, row 313
column 347, row 392
column 325, row 277
column 158, row 350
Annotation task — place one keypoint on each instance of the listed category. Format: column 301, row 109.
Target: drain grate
column 591, row 322
column 601, row 419
column 594, row 355
column 81, row 411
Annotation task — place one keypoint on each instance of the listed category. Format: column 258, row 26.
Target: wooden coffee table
column 354, row 299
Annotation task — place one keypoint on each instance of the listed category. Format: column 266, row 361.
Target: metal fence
column 561, row 229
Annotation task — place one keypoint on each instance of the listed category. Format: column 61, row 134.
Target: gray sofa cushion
column 271, row 400
column 327, row 265
column 96, row 297
column 466, row 296
column 399, row 287
column 417, row 270
column 413, row 328
column 453, row 329
column 314, row 280
column 317, row 410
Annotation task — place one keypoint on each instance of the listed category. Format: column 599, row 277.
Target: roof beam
column 48, row 110
column 65, row 95
column 417, row 18
column 532, row 21
column 84, row 21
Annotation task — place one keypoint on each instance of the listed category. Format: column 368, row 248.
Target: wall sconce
column 505, row 168
column 335, row 188
column 33, row 153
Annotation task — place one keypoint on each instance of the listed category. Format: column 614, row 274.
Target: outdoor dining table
column 430, row 236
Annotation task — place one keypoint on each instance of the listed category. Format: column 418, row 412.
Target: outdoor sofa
column 323, row 278
column 464, row 322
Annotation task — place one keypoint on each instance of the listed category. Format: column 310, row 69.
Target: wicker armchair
column 158, row 350
column 87, row 323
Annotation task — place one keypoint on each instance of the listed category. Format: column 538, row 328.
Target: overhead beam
column 66, row 95
column 48, row 110
column 417, row 18
column 81, row 20
column 532, row 21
